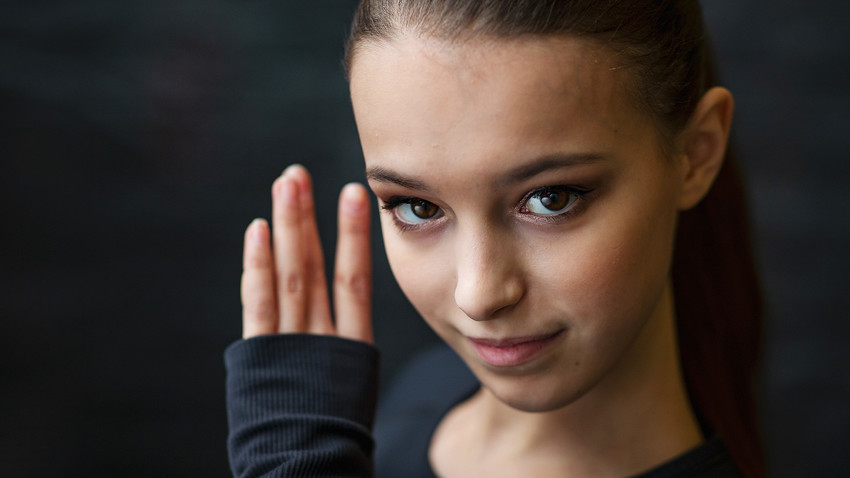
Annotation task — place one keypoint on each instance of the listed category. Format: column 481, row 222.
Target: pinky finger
column 259, row 309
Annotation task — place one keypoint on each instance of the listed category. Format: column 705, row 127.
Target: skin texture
column 285, row 291
column 468, row 134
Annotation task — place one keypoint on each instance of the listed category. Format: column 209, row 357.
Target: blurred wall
column 138, row 139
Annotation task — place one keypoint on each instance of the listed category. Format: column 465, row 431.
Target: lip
column 513, row 351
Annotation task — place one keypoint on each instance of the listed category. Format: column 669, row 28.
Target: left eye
column 551, row 201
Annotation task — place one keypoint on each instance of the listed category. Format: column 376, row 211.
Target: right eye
column 416, row 211
column 412, row 211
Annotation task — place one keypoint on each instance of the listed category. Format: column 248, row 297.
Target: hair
column 716, row 290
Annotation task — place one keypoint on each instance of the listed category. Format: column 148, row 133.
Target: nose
column 489, row 276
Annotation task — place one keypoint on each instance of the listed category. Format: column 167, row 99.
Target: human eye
column 551, row 201
column 411, row 211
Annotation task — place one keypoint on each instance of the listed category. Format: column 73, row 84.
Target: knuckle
column 358, row 283
column 355, row 227
column 256, row 261
column 262, row 311
column 293, row 282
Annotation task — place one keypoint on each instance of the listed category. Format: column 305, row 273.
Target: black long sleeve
column 301, row 405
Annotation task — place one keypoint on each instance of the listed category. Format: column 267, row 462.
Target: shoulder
column 708, row 460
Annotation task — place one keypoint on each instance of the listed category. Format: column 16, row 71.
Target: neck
column 638, row 417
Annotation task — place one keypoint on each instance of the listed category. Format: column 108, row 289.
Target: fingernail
column 257, row 232
column 289, row 191
column 353, row 199
column 291, row 168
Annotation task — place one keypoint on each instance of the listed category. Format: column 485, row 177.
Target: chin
column 529, row 397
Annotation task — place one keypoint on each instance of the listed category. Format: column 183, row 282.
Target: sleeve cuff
column 304, row 374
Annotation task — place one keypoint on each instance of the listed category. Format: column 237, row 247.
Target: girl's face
column 527, row 211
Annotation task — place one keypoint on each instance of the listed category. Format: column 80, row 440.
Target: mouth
column 512, row 351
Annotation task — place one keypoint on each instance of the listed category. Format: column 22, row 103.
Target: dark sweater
column 303, row 405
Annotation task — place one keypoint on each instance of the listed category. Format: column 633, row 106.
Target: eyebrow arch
column 383, row 175
column 545, row 163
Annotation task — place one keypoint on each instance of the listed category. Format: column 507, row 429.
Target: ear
column 705, row 139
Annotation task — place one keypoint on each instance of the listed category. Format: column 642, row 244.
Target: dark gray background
column 138, row 139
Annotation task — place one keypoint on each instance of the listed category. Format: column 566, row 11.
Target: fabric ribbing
column 301, row 405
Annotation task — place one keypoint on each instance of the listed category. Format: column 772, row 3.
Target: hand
column 283, row 286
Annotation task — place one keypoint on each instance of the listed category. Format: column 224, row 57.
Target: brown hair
column 717, row 296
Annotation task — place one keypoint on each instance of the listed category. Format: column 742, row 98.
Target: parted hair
column 663, row 42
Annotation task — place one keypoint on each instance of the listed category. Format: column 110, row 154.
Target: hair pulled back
column 716, row 291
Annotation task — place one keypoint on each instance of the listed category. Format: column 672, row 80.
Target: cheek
column 422, row 271
column 612, row 274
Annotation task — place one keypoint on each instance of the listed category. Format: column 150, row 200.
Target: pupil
column 553, row 200
column 423, row 209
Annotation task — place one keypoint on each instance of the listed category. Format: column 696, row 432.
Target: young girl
column 544, row 171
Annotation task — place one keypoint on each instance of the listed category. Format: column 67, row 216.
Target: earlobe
column 705, row 138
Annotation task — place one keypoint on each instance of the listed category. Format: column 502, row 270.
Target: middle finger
column 289, row 261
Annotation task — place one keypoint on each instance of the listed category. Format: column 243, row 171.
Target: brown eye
column 423, row 209
column 551, row 201
column 415, row 211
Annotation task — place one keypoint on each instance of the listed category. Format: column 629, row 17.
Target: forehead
column 416, row 96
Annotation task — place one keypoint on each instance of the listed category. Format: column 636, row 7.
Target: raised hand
column 284, row 289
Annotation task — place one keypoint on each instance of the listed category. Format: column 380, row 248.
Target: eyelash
column 580, row 194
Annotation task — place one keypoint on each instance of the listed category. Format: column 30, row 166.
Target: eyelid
column 396, row 201
column 562, row 187
column 549, row 187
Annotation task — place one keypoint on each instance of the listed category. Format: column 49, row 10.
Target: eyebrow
column 518, row 174
column 382, row 175
column 546, row 163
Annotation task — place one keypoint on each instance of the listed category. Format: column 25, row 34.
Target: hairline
column 666, row 135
